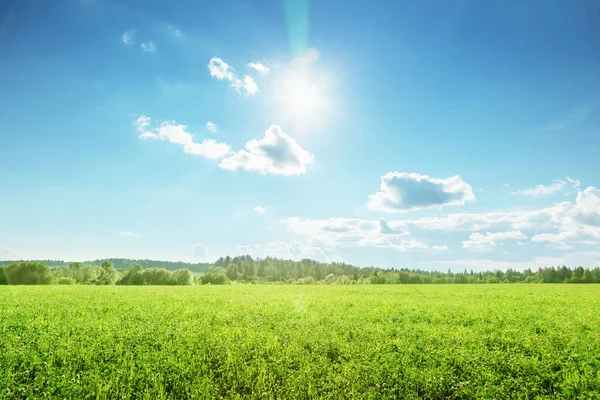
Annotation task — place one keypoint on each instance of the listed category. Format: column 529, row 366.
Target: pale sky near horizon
column 424, row 134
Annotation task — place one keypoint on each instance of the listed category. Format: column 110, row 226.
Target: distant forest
column 245, row 269
column 126, row 263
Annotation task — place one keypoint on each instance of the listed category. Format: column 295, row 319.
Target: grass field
column 244, row 341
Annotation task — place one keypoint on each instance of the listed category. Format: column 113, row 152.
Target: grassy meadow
column 322, row 341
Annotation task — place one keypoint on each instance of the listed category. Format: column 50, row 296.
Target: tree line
column 39, row 273
column 245, row 269
column 126, row 263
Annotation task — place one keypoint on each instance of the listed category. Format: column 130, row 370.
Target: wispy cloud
column 127, row 38
column 171, row 132
column 128, row 234
column 148, row 47
column 481, row 242
column 543, row 190
column 222, row 71
column 261, row 68
column 175, row 31
column 260, row 210
column 571, row 119
column 211, row 126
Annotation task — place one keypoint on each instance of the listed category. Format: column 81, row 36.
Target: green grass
column 243, row 341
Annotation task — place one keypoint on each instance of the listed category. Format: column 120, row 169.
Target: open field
column 247, row 341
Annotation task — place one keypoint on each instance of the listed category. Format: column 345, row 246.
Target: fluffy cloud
column 276, row 153
column 480, row 242
column 178, row 134
column 211, row 126
column 402, row 192
column 260, row 210
column 543, row 190
column 127, row 38
column 263, row 69
column 250, row 87
column 574, row 221
column 347, row 232
column 148, row 47
column 222, row 71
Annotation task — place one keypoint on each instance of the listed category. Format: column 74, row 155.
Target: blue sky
column 434, row 135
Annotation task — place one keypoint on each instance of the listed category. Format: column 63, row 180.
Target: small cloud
column 211, row 126
column 439, row 248
column 250, row 86
column 506, row 185
column 576, row 183
column 199, row 250
column 261, row 68
column 543, row 190
column 175, row 31
column 220, row 69
column 127, row 38
column 128, row 234
column 402, row 192
column 276, row 153
column 148, row 47
column 260, row 210
column 386, row 229
column 171, row 132
column 571, row 119
column 480, row 242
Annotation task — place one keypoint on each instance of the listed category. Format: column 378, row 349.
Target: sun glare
column 303, row 97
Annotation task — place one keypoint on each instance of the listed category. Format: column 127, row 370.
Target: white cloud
column 292, row 250
column 212, row 127
column 402, row 192
column 574, row 221
column 543, row 190
column 439, row 248
column 250, row 86
column 178, row 134
column 260, row 210
column 128, row 234
column 200, row 251
column 263, row 69
column 480, row 242
column 334, row 233
column 276, row 153
column 148, row 47
column 175, row 31
column 576, row 183
column 127, row 38
column 220, row 69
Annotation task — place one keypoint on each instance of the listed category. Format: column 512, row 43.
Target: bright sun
column 302, row 97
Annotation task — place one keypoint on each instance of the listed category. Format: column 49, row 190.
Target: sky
column 442, row 134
